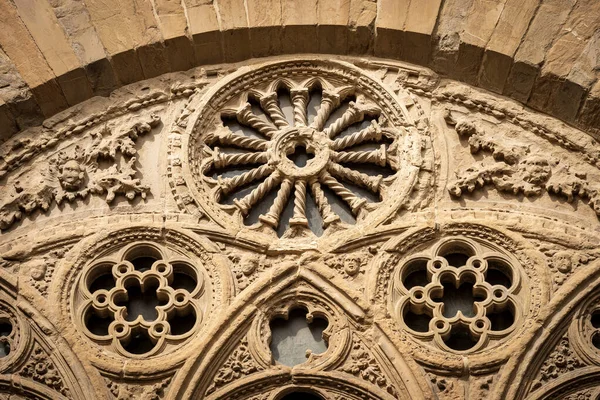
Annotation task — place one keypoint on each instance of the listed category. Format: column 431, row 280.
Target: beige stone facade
column 419, row 179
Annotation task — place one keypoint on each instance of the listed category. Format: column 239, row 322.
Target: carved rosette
column 382, row 135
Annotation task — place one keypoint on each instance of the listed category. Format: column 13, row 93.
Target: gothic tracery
column 467, row 262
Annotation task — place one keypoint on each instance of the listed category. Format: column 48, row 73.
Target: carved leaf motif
column 517, row 169
column 559, row 362
column 41, row 369
column 65, row 178
column 126, row 391
column 239, row 364
column 363, row 365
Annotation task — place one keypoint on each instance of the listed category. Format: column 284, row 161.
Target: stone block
column 8, row 124
column 446, row 38
column 180, row 53
column 102, row 77
column 494, row 71
column 361, row 26
column 504, row 42
column 299, row 39
column 127, row 67
column 266, row 40
column 333, row 39
column 153, row 59
column 50, row 98
column 75, row 86
column 236, row 45
column 589, row 115
column 48, row 34
column 521, row 80
column 208, row 48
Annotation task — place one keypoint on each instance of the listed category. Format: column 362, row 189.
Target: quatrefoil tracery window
column 460, row 295
column 141, row 302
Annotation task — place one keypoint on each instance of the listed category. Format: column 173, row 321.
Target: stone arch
column 522, row 367
column 516, row 51
column 242, row 327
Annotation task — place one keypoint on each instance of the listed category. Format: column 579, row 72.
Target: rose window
column 143, row 301
column 7, row 336
column 299, row 148
column 461, row 294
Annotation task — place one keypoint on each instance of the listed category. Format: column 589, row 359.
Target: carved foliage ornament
column 519, row 168
column 357, row 124
column 106, row 167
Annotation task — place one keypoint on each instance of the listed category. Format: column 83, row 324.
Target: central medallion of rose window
column 297, row 148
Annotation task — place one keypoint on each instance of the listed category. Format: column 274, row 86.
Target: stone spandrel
column 440, row 240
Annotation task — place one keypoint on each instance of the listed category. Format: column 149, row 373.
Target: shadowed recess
column 595, row 320
column 140, row 343
column 417, row 322
column 460, row 338
column 458, row 299
column 417, row 274
column 301, row 396
column 97, row 324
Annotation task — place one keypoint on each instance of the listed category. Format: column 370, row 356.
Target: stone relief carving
column 369, row 114
column 427, row 285
column 362, row 364
column 77, row 174
column 41, row 369
column 381, row 134
column 111, row 289
column 239, row 364
column 130, row 391
column 517, row 168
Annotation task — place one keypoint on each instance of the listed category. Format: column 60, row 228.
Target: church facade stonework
column 446, row 237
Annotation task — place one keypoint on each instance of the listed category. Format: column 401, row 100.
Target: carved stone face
column 249, row 265
column 71, row 176
column 562, row 261
column 352, row 265
column 536, row 169
column 37, row 269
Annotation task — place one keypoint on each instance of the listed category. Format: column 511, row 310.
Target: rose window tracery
column 296, row 148
column 7, row 336
column 142, row 300
column 459, row 294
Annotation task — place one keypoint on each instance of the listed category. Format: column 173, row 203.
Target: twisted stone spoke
column 269, row 104
column 225, row 137
column 245, row 116
column 352, row 115
column 355, row 202
column 329, row 102
column 271, row 218
column 222, row 160
column 378, row 157
column 372, row 132
column 300, row 101
column 325, row 210
column 299, row 217
column 246, row 203
column 228, row 185
column 370, row 182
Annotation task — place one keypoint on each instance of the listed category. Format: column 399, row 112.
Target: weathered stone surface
column 535, row 52
column 479, row 26
column 504, row 42
column 156, row 243
column 548, row 20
